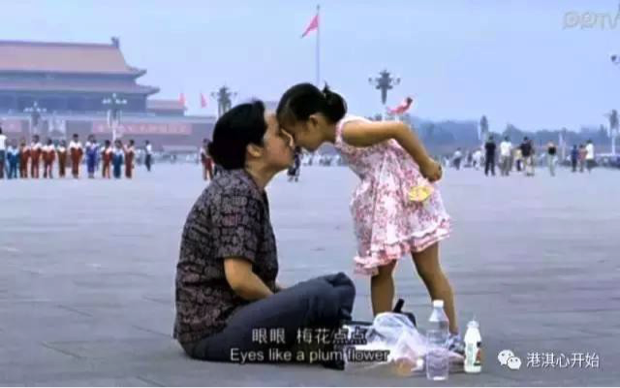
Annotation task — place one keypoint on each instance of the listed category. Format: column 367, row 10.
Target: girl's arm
column 366, row 134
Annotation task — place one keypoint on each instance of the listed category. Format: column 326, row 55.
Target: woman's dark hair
column 302, row 100
column 242, row 125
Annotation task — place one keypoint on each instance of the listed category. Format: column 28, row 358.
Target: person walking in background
column 527, row 152
column 574, row 157
column 489, row 157
column 13, row 159
column 505, row 156
column 49, row 155
column 590, row 161
column 518, row 159
column 24, row 157
column 295, row 167
column 582, row 157
column 61, row 152
column 3, row 155
column 206, row 160
column 458, row 157
column 117, row 159
column 477, row 159
column 551, row 157
column 148, row 148
column 35, row 157
column 130, row 152
column 76, row 152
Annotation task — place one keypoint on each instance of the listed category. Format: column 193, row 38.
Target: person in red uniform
column 49, row 155
column 130, row 152
column 24, row 157
column 61, row 151
column 76, row 152
column 36, row 149
column 106, row 158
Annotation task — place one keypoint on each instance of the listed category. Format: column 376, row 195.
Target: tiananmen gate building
column 70, row 81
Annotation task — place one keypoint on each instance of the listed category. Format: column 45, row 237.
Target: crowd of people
column 23, row 160
column 523, row 157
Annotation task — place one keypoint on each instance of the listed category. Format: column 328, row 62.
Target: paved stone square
column 87, row 275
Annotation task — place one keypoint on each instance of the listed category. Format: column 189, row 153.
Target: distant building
column 71, row 80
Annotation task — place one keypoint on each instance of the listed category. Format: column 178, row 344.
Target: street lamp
column 35, row 116
column 114, row 105
column 384, row 82
column 613, row 127
column 224, row 98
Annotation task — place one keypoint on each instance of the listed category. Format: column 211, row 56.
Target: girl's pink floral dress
column 387, row 225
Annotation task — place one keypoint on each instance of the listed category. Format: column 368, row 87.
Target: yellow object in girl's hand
column 420, row 193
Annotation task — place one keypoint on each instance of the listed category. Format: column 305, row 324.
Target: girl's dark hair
column 242, row 125
column 302, row 100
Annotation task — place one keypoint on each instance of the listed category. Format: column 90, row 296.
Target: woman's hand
column 243, row 280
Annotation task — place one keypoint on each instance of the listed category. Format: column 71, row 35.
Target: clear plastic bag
column 407, row 347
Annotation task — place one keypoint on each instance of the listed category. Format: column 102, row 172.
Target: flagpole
column 318, row 48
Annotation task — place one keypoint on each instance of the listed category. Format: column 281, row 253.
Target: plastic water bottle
column 437, row 357
column 473, row 348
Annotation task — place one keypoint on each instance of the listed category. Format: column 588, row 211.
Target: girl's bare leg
column 382, row 289
column 437, row 284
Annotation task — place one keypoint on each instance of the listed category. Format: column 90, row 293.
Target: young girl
column 106, row 157
column 75, row 152
column 117, row 159
column 24, row 157
column 49, row 156
column 35, row 157
column 390, row 161
column 92, row 149
column 62, row 158
column 130, row 152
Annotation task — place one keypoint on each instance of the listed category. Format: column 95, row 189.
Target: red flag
column 182, row 99
column 203, row 101
column 314, row 25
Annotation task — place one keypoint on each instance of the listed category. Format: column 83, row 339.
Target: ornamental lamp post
column 35, row 117
column 114, row 106
column 384, row 83
column 224, row 97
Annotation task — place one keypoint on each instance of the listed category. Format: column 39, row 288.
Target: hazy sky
column 511, row 60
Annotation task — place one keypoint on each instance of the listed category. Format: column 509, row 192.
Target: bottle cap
column 438, row 303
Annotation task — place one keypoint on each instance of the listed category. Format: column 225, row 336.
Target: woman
column 226, row 275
